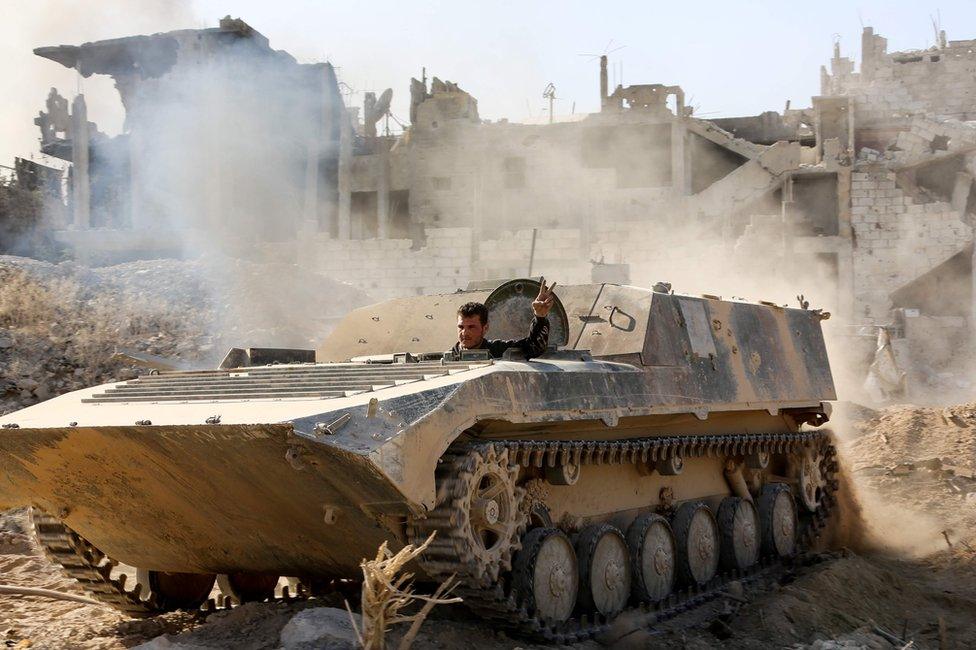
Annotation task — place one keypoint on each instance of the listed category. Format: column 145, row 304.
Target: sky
column 731, row 58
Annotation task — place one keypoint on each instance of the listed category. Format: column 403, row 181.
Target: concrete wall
column 386, row 268
column 926, row 136
column 938, row 81
column 508, row 176
column 897, row 238
column 448, row 261
column 695, row 261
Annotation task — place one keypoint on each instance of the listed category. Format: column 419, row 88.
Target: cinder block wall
column 449, row 260
column 896, row 239
column 936, row 82
column 387, row 268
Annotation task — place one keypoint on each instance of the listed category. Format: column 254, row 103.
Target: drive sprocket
column 478, row 518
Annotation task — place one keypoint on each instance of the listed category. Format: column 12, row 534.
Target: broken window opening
column 938, row 178
column 939, row 143
column 399, row 226
column 817, row 205
column 363, row 212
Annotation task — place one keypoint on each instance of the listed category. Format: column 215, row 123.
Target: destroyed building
column 217, row 124
column 863, row 198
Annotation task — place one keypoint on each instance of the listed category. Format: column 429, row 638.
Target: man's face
column 471, row 332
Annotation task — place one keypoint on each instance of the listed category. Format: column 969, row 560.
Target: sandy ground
column 897, row 576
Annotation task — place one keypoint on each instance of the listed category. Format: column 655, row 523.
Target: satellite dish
column 383, row 103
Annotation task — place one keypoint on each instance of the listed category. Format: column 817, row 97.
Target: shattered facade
column 864, row 196
column 223, row 135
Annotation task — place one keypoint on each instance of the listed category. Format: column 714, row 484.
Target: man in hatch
column 473, row 328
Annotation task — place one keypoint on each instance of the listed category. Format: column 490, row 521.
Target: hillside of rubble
column 65, row 326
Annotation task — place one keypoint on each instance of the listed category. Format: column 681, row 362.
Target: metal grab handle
column 630, row 326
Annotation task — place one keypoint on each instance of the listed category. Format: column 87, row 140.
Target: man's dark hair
column 469, row 309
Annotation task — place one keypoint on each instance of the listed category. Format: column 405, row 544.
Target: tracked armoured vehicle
column 664, row 445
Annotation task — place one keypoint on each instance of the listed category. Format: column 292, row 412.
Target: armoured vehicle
column 664, row 445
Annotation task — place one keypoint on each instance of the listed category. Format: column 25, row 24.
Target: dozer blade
column 209, row 499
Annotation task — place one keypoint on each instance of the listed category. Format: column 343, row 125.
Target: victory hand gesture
column 543, row 302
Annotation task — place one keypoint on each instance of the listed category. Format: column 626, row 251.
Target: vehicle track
column 498, row 603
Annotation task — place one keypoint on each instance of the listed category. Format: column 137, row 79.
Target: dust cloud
column 219, row 146
column 870, row 522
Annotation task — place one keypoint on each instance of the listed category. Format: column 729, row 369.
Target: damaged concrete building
column 863, row 198
column 222, row 135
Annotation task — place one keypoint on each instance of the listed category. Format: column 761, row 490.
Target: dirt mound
column 912, row 470
column 27, row 621
column 863, row 594
column 903, row 433
column 60, row 324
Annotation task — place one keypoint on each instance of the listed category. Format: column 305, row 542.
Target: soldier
column 473, row 326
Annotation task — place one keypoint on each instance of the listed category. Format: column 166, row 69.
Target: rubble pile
column 922, row 462
column 61, row 325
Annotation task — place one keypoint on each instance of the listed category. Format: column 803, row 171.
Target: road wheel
column 172, row 591
column 247, row 587
column 738, row 523
column 604, row 562
column 697, row 541
column 652, row 553
column 777, row 514
column 545, row 574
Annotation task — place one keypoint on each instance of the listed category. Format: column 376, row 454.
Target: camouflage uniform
column 533, row 345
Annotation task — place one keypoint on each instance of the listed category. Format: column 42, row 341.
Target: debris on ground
column 65, row 326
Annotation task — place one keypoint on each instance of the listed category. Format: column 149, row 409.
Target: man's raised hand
column 543, row 302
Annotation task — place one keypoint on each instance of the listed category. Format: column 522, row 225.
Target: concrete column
column 345, row 177
column 316, row 190
column 81, row 178
column 331, row 120
column 851, row 147
column 960, row 192
column 680, row 180
column 845, row 249
column 788, row 220
column 310, row 212
column 867, row 53
column 383, row 197
column 604, row 83
column 845, row 284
